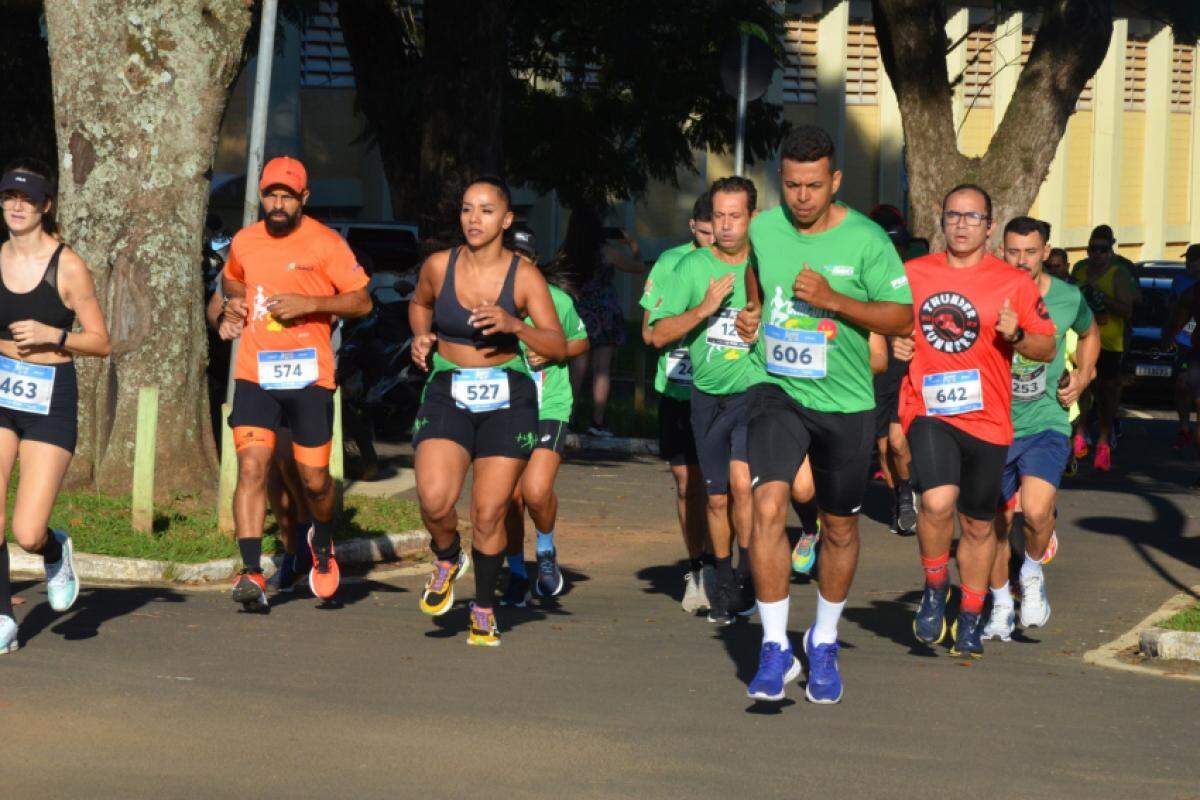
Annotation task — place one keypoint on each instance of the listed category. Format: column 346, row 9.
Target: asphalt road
column 613, row 691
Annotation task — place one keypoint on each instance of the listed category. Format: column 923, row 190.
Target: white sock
column 774, row 618
column 1031, row 567
column 1002, row 596
column 825, row 629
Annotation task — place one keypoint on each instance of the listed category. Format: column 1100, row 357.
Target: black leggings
column 943, row 455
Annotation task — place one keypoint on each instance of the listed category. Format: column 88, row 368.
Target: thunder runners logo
column 949, row 321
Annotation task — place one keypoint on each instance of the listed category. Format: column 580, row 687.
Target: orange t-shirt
column 312, row 260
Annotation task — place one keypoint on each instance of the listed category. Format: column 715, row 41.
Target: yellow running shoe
column 484, row 632
column 439, row 589
column 804, row 554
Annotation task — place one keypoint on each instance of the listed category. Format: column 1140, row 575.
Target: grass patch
column 186, row 531
column 1186, row 620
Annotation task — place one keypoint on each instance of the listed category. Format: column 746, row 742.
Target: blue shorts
column 1040, row 455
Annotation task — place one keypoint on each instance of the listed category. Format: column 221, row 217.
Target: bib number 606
column 788, row 354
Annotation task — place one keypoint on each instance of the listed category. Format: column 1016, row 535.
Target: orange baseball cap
column 284, row 171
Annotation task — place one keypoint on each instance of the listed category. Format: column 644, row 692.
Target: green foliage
column 1186, row 620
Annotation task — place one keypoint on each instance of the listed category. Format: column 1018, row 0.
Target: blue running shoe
column 776, row 669
column 929, row 626
column 550, row 578
column 824, row 679
column 8, row 635
column 966, row 632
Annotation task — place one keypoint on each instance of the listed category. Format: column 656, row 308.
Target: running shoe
column 694, row 596
column 250, row 589
column 745, row 603
column 517, row 592
column 708, row 584
column 8, row 635
column 324, row 574
column 62, row 583
column 1035, row 606
column 929, row 625
column 1001, row 623
column 1079, row 445
column 599, row 431
column 720, row 612
column 965, row 632
column 804, row 554
column 776, row 669
column 286, row 576
column 550, row 578
column 1051, row 548
column 484, row 632
column 439, row 589
column 1183, row 438
column 1103, row 460
column 824, row 678
column 1072, row 468
column 906, row 514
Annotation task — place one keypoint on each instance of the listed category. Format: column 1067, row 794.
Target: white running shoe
column 693, row 590
column 708, row 586
column 8, row 635
column 62, row 584
column 1000, row 624
column 1035, row 607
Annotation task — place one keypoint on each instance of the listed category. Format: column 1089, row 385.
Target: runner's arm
column 672, row 329
column 545, row 337
column 346, row 305
column 79, row 292
column 1177, row 316
column 889, row 319
column 1087, row 352
column 877, row 346
column 1121, row 303
column 647, row 336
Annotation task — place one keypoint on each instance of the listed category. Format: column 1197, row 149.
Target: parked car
column 389, row 246
column 1149, row 369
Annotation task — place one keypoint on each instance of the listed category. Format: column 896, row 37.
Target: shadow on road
column 94, row 607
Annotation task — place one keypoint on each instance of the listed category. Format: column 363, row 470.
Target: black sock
column 451, row 553
column 706, row 559
column 52, row 551
column 807, row 512
column 743, row 567
column 6, row 607
column 903, row 488
column 303, row 562
column 323, row 534
column 251, row 550
column 695, row 564
column 487, row 576
column 724, row 571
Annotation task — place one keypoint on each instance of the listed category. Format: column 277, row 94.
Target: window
column 324, row 60
column 862, row 64
column 800, row 68
column 1183, row 66
column 1135, row 73
column 977, row 77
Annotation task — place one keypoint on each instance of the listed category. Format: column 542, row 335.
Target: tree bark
column 1070, row 45
column 139, row 89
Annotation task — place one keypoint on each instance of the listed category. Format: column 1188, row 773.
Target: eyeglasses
column 972, row 219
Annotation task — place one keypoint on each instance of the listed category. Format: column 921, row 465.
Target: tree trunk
column 139, row 89
column 1068, row 49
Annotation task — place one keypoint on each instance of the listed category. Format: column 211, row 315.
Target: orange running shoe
column 1051, row 548
column 324, row 575
column 250, row 589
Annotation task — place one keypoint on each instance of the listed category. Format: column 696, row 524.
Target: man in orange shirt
column 291, row 276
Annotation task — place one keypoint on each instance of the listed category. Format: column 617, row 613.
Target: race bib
column 479, row 390
column 1029, row 384
column 722, row 330
column 26, row 387
column 794, row 353
column 950, row 393
column 679, row 366
column 287, row 369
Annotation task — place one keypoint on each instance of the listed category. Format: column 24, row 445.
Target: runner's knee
column 315, row 480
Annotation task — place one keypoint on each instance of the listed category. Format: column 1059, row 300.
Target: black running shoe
column 929, row 625
column 720, row 612
column 906, row 514
column 517, row 591
column 966, row 632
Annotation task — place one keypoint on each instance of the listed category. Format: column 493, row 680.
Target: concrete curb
column 617, row 444
column 1107, row 655
column 366, row 550
column 1163, row 643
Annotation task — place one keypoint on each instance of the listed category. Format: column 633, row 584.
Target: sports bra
column 40, row 304
column 452, row 322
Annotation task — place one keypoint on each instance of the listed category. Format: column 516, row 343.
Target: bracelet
column 224, row 303
column 62, row 340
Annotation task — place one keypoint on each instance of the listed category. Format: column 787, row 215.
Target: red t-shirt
column 961, row 371
column 312, row 260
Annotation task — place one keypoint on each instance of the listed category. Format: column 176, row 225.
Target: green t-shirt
column 720, row 359
column 821, row 362
column 652, row 298
column 1035, row 406
column 554, row 395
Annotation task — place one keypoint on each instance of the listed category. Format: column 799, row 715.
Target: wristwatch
column 1018, row 336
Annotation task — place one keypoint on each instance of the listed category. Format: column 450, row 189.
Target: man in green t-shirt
column 1042, row 396
column 826, row 276
column 676, row 444
column 700, row 305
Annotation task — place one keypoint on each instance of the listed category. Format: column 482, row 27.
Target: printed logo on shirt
column 949, row 321
column 901, row 281
column 1041, row 310
column 841, row 270
column 293, row 267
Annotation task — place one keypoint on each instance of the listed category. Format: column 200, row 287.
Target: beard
column 280, row 223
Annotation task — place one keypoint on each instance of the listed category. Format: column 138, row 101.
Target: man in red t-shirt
column 287, row 277
column 972, row 310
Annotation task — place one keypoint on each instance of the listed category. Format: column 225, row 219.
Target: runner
column 829, row 276
column 44, row 286
column 701, row 301
column 1058, row 265
column 1041, row 445
column 1181, row 343
column 479, row 406
column 1180, row 332
column 676, row 443
column 536, row 489
column 973, row 311
column 292, row 275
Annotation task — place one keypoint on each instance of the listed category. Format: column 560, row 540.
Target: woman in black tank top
column 480, row 405
column 44, row 286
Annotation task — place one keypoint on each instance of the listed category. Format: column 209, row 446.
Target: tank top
column 41, row 304
column 452, row 322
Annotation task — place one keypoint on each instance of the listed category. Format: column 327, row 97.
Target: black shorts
column 887, row 411
column 676, row 442
column 781, row 432
column 510, row 432
column 943, row 455
column 59, row 427
column 719, row 425
column 307, row 412
column 1108, row 365
column 551, row 435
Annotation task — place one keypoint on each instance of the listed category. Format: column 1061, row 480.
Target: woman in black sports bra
column 44, row 286
column 480, row 405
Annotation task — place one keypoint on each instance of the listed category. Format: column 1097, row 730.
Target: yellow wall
column 1174, row 251
column 1179, row 169
column 1133, row 145
column 1078, row 170
column 1131, row 251
column 976, row 132
column 860, row 167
